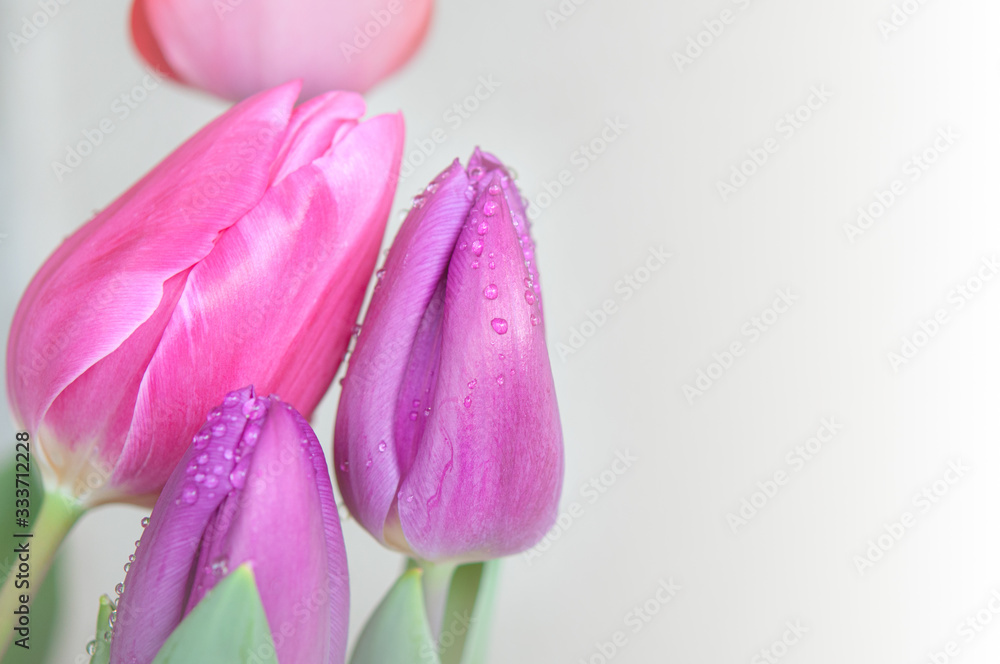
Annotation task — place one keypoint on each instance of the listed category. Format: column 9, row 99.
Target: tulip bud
column 447, row 443
column 243, row 256
column 253, row 487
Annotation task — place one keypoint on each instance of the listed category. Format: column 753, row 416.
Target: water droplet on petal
column 220, row 566
column 413, row 415
column 475, row 265
column 368, row 464
column 219, row 429
column 203, row 458
column 92, row 647
column 418, row 202
column 120, row 588
column 211, row 482
column 228, row 454
column 238, row 477
column 477, row 247
column 501, row 357
column 255, row 409
column 500, row 379
column 468, row 402
column 344, row 465
column 191, row 468
column 534, row 319
column 199, row 478
column 499, row 325
column 144, row 522
column 416, row 403
column 470, row 193
column 189, row 494
column 231, row 399
column 381, row 446
column 137, row 544
column 431, row 188
column 490, row 208
column 409, row 498
column 493, row 265
column 475, row 173
column 491, row 291
column 494, row 189
column 126, row 567
column 463, row 246
column 472, row 384
column 201, row 440
column 529, row 297
column 214, row 414
column 483, row 227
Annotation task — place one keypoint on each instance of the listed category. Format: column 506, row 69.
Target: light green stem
column 55, row 519
column 436, row 581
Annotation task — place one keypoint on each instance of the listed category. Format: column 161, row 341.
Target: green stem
column 55, row 519
column 436, row 581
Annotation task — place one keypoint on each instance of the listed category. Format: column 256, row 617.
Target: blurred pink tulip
column 235, row 48
column 242, row 257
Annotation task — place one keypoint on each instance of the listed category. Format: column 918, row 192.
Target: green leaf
column 101, row 646
column 228, row 626
column 469, row 613
column 398, row 632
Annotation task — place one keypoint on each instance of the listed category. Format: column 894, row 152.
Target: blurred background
column 781, row 433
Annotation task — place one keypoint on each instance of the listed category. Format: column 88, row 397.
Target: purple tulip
column 254, row 488
column 447, row 443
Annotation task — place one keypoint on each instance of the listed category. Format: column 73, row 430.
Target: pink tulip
column 253, row 487
column 235, row 48
column 448, row 444
column 242, row 257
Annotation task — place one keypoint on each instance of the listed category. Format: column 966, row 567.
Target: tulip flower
column 447, row 443
column 253, row 488
column 235, row 48
column 242, row 257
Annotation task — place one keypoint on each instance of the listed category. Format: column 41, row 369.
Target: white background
column 656, row 185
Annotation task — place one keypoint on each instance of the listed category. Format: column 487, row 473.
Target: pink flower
column 235, row 48
column 448, row 444
column 242, row 257
column 253, row 488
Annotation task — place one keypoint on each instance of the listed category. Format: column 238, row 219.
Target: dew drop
column 189, row 494
column 468, row 402
column 463, row 246
column 483, row 227
column 490, row 208
column 255, row 408
column 500, row 379
column 220, row 566
column 191, row 468
column 144, row 522
column 120, row 588
column 127, row 566
column 211, row 482
column 534, row 319
column 475, row 173
column 427, row 411
column 500, row 357
column 92, row 647
column 137, row 544
column 494, row 189
column 477, row 247
column 475, row 265
column 228, row 454
column 431, row 188
column 380, row 274
column 201, row 440
column 493, row 265
column 368, row 464
column 381, row 446
column 470, row 193
column 344, row 465
column 219, row 429
column 416, row 403
column 214, row 414
column 529, row 297
column 203, row 458
column 418, row 202
column 499, row 325
column 231, row 399
column 238, row 477
column 472, row 384
column 413, row 415
column 491, row 291
column 409, row 498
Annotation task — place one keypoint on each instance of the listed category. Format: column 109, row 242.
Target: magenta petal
column 369, row 458
column 319, row 229
column 157, row 583
column 108, row 279
column 487, row 474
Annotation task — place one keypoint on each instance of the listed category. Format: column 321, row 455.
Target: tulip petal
column 145, row 42
column 234, row 50
column 158, row 581
column 312, row 129
column 369, row 458
column 108, row 279
column 487, row 474
column 320, row 228
column 287, row 495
